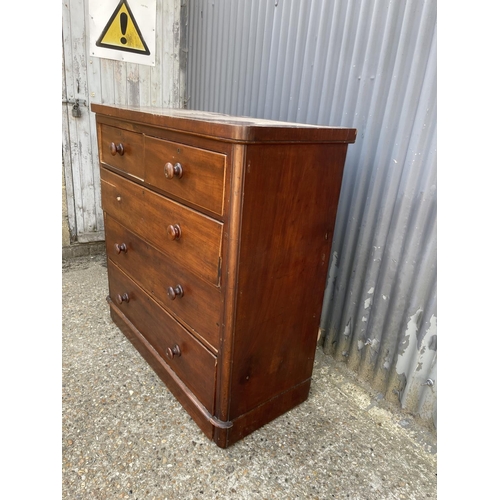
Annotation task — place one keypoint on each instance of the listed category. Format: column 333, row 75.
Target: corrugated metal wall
column 92, row 79
column 369, row 65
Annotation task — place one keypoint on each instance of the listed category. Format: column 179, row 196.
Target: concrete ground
column 125, row 436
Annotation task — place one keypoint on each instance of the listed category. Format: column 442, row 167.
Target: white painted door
column 80, row 161
column 100, row 80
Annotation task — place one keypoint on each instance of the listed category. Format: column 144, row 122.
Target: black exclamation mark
column 123, row 26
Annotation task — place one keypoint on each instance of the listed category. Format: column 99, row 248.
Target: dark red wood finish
column 176, row 230
column 219, row 234
column 191, row 174
column 194, row 363
column 284, row 254
column 200, row 307
column 123, row 149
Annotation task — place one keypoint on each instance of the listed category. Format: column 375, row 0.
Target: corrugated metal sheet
column 91, row 79
column 369, row 65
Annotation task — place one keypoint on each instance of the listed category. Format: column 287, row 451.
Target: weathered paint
column 408, row 345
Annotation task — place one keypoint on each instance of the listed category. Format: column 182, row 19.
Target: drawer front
column 188, row 298
column 192, row 362
column 188, row 238
column 123, row 149
column 192, row 174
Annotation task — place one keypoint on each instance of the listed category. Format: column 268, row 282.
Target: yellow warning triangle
column 122, row 33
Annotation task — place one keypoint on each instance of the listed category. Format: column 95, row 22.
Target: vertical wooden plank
column 177, row 94
column 87, row 175
column 174, row 58
column 167, row 42
column 144, row 85
column 156, row 71
column 133, row 84
column 79, row 128
column 120, row 80
column 94, row 95
column 71, row 161
column 173, row 96
column 183, row 53
column 107, row 81
column 94, row 86
column 66, row 149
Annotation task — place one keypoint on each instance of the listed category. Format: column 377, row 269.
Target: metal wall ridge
column 368, row 64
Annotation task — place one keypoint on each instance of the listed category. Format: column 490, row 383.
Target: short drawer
column 192, row 362
column 191, row 300
column 191, row 174
column 188, row 238
column 123, row 149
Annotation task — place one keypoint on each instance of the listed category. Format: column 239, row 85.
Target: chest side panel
column 290, row 198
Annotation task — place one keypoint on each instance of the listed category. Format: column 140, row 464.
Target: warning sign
column 124, row 31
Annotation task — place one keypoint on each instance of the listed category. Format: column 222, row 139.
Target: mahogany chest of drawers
column 218, row 237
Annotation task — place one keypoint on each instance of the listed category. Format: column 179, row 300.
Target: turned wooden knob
column 120, row 247
column 176, row 291
column 172, row 171
column 174, row 231
column 174, row 351
column 122, row 298
column 116, row 148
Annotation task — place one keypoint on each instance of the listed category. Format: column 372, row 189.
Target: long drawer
column 191, row 300
column 187, row 237
column 187, row 357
